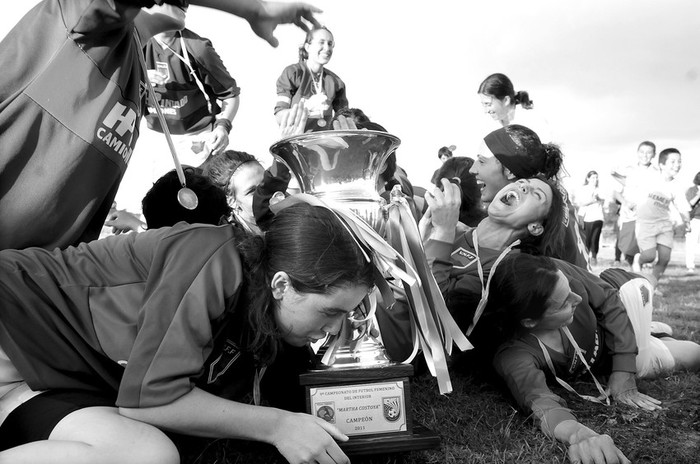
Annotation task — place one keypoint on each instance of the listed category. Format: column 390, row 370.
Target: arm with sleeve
column 188, row 286
column 612, row 316
column 523, row 371
column 287, row 87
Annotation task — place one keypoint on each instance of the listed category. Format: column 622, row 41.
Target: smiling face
column 304, row 318
column 672, row 166
column 497, row 109
column 242, row 187
column 645, row 154
column 560, row 306
column 524, row 203
column 320, row 49
column 490, row 174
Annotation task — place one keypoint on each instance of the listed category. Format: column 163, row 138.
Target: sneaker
column 660, row 329
column 636, row 267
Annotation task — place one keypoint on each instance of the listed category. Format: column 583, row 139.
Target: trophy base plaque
column 371, row 405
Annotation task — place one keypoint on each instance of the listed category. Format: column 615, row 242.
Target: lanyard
column 318, row 85
column 186, row 59
column 603, row 398
column 259, row 372
column 485, row 285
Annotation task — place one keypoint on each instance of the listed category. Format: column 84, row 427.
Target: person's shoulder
column 332, row 74
column 293, row 68
column 196, row 44
column 197, row 234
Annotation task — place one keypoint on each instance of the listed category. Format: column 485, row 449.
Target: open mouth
column 510, row 198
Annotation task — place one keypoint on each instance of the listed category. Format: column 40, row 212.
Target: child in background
column 657, row 203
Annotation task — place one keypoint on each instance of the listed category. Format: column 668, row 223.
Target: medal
column 321, row 123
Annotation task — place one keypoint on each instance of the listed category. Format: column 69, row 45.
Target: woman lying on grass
column 106, row 346
column 562, row 321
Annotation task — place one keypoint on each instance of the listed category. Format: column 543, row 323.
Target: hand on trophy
column 344, row 123
column 303, row 438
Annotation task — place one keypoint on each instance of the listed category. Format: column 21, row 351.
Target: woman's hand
column 122, row 221
column 218, row 140
column 587, row 446
column 293, row 120
column 443, row 212
column 303, row 438
column 276, row 13
column 596, row 449
column 622, row 386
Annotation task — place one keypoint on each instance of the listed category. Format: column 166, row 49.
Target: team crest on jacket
column 462, row 259
column 392, row 408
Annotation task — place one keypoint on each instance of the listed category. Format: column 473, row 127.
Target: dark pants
column 591, row 231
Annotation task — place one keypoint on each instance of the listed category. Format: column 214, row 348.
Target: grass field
column 478, row 424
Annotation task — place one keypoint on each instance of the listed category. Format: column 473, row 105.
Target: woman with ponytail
column 119, row 339
column 500, row 100
column 322, row 91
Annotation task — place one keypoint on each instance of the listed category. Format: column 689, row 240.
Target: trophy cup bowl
column 342, row 166
column 360, row 391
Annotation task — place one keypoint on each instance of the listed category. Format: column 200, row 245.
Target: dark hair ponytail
column 553, row 160
column 522, row 98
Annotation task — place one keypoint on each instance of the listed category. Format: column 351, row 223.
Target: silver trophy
column 344, row 167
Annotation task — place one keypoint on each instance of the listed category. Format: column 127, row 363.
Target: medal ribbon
column 603, row 398
column 485, row 286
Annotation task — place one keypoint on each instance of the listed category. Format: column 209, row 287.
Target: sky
column 604, row 74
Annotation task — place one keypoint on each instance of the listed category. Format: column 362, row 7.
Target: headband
column 512, row 156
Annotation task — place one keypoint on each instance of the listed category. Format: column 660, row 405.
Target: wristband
column 225, row 123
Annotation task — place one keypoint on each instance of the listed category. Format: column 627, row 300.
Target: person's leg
column 596, row 230
column 685, row 353
column 664, row 256
column 587, row 227
column 78, row 427
column 646, row 241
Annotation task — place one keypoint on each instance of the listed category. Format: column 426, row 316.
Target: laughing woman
column 106, row 345
column 321, row 89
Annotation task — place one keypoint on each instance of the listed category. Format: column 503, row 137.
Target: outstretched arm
column 264, row 17
column 299, row 438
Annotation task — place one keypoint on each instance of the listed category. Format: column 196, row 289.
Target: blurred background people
column 589, row 203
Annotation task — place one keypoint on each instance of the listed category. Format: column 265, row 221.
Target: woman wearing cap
column 105, row 345
column 516, row 152
column 322, row 91
column 559, row 321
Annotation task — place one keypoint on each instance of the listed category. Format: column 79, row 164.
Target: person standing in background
column 500, row 100
column 629, row 178
column 444, row 154
column 197, row 95
column 321, row 89
column 658, row 205
column 692, row 233
column 590, row 209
